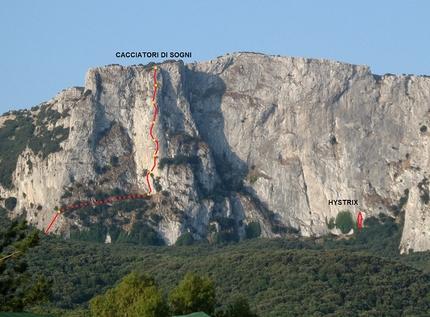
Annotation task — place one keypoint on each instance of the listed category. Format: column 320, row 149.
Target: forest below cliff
column 359, row 275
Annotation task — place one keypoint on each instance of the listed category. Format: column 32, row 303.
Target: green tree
column 10, row 203
column 331, row 223
column 16, row 289
column 114, row 161
column 344, row 221
column 185, row 239
column 239, row 308
column 195, row 293
column 136, row 295
column 253, row 230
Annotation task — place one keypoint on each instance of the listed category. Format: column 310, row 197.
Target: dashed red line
column 110, row 200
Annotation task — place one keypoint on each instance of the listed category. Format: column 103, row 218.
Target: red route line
column 109, row 200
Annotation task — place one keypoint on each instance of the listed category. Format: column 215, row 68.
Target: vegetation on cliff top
column 19, row 131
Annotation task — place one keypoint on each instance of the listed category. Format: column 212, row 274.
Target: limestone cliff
column 247, row 137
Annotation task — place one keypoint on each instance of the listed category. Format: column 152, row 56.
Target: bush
column 114, row 161
column 10, row 203
column 253, row 178
column 177, row 160
column 293, row 230
column 331, row 223
column 224, row 237
column 100, row 169
column 333, row 140
column 185, row 239
column 141, row 233
column 30, row 164
column 253, row 230
column 157, row 184
column 156, row 219
column 88, row 192
column 423, row 128
column 100, row 195
column 66, row 194
column 344, row 221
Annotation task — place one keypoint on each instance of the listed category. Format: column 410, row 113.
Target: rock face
column 248, row 137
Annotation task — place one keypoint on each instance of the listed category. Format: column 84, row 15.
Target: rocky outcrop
column 249, row 137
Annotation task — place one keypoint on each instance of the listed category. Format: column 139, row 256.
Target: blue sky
column 47, row 46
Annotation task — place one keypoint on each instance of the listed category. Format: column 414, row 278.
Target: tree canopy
column 307, row 277
column 16, row 287
column 136, row 295
column 195, row 293
column 239, row 308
